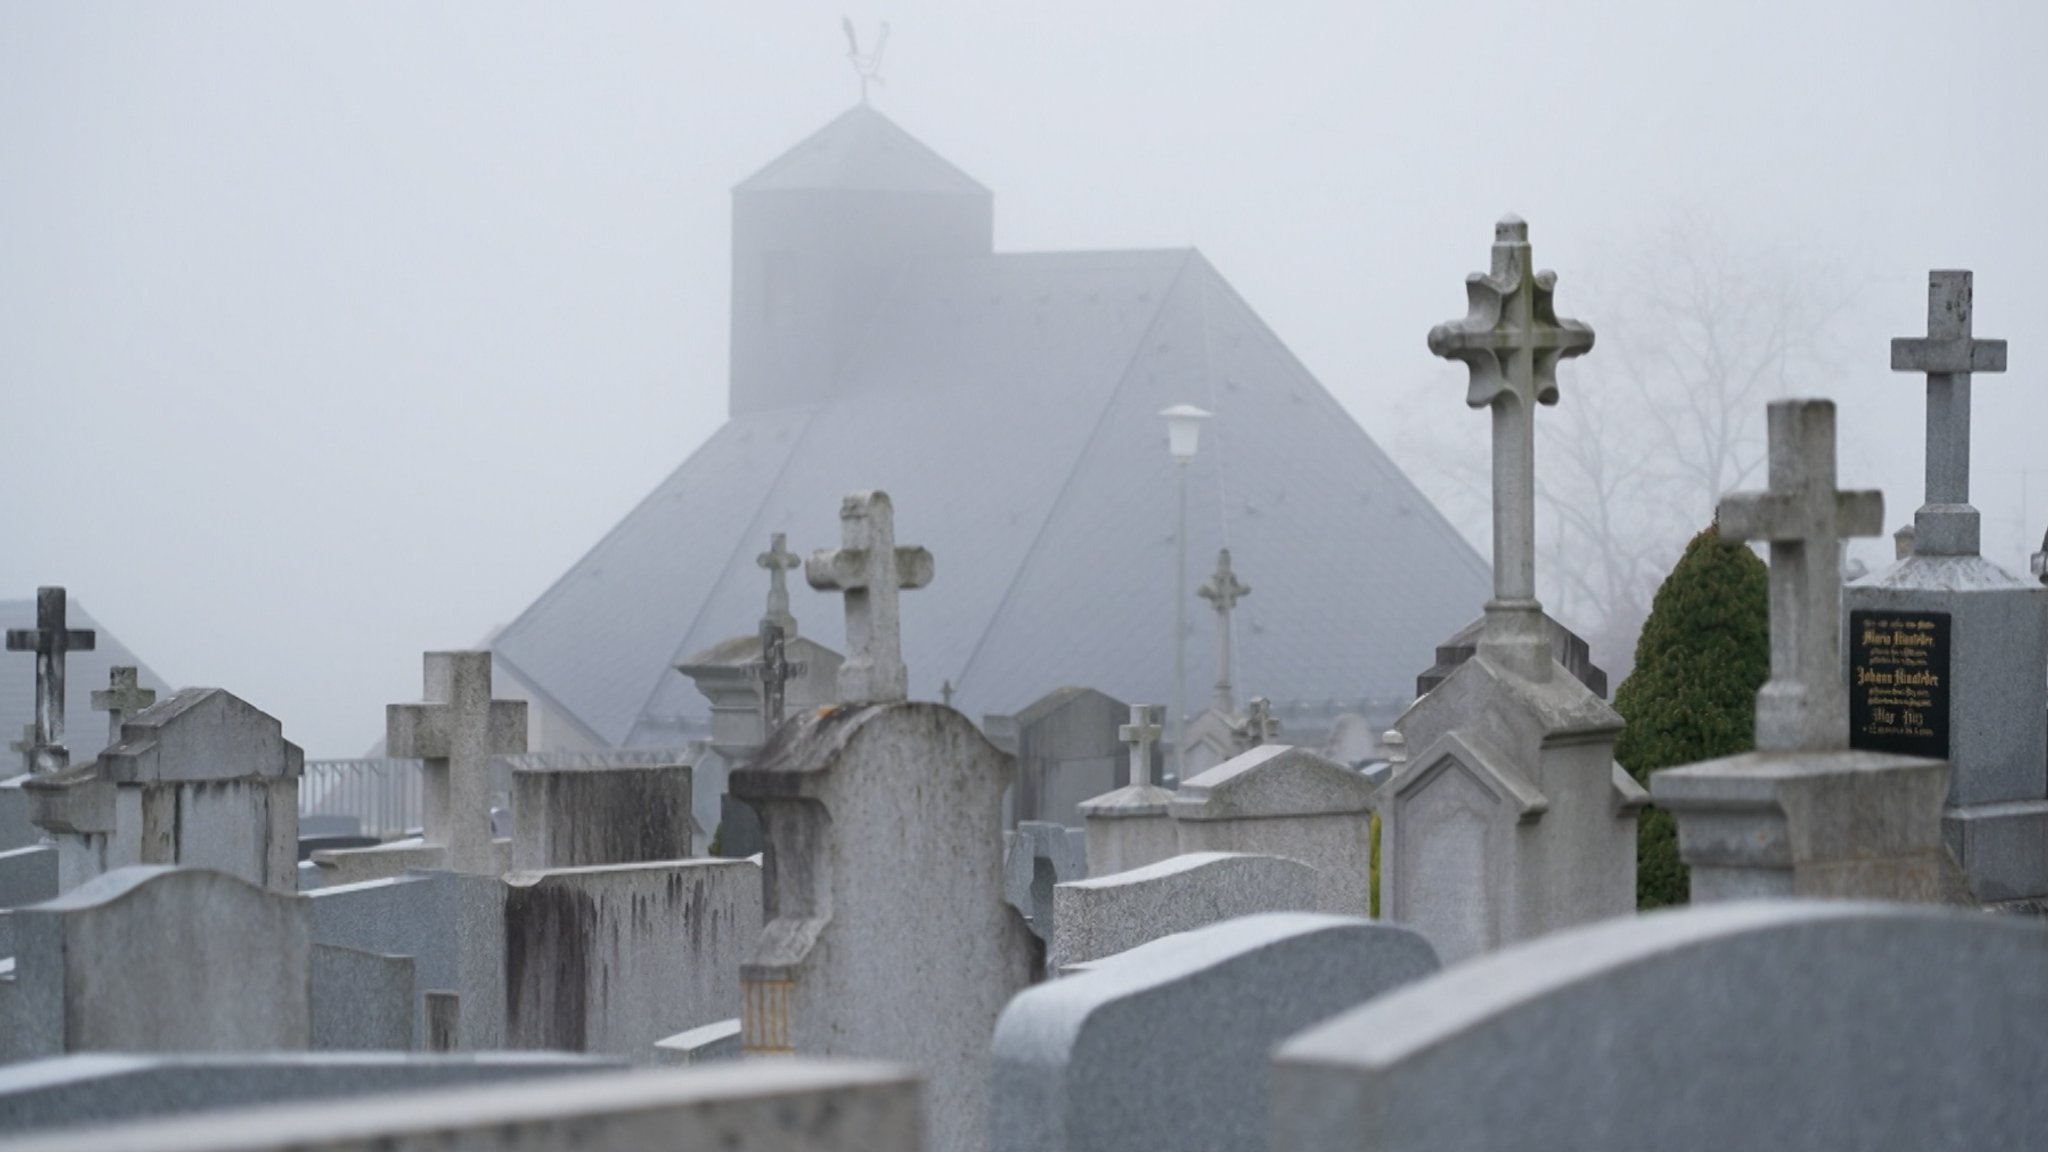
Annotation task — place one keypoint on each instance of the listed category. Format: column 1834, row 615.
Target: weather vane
column 868, row 66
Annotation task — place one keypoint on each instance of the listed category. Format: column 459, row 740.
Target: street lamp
column 1183, row 433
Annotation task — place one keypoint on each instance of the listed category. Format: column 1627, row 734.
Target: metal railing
column 385, row 794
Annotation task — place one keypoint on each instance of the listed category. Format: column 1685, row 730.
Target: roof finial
column 868, row 66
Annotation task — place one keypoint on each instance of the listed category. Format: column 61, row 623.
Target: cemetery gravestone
column 455, row 731
column 1290, row 802
column 1105, row 915
column 1771, row 1024
column 1948, row 652
column 1068, row 751
column 120, row 699
column 1077, row 1061
column 1130, row 828
column 585, row 816
column 1223, row 590
column 1511, row 818
column 1037, row 857
column 51, row 639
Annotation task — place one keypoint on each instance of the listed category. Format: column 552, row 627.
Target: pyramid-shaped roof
column 862, row 151
column 1009, row 405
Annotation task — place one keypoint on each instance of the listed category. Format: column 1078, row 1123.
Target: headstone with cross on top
column 51, row 640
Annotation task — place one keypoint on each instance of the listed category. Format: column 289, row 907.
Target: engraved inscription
column 1899, row 682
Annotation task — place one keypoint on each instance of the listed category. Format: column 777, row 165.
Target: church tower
column 820, row 236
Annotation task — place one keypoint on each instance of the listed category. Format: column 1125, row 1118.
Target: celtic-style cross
column 50, row 640
column 1804, row 706
column 1511, row 340
column 778, row 560
column 772, row 672
column 1223, row 591
column 871, row 570
column 1946, row 525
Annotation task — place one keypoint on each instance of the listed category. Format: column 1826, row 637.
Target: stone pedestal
column 1997, row 699
column 1129, row 828
column 1850, row 825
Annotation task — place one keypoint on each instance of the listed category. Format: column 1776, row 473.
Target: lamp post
column 1183, row 432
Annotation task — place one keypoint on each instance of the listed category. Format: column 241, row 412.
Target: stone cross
column 1223, row 591
column 870, row 569
column 1259, row 725
column 50, row 640
column 946, row 693
column 1948, row 354
column 778, row 560
column 456, row 730
column 1804, row 706
column 772, row 671
column 26, row 747
column 1510, row 341
column 1139, row 734
column 121, row 699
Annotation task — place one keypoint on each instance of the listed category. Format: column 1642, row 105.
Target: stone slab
column 2003, row 848
column 1279, row 800
column 608, row 814
column 76, row 1092
column 1109, row 914
column 28, row 875
column 613, row 959
column 1764, row 1024
column 1077, row 1060
column 361, row 1001
column 1037, row 856
column 454, row 928
column 706, row 1044
column 16, row 829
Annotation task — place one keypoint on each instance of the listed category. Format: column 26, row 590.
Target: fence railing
column 385, row 794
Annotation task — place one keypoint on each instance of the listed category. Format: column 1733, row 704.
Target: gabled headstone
column 201, row 779
column 1105, row 915
column 1804, row 814
column 1068, row 751
column 1511, row 819
column 1285, row 801
column 1977, row 635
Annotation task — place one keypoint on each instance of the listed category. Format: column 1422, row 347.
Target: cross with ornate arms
column 1511, row 340
column 778, row 560
column 1946, row 525
column 1804, row 706
column 1139, row 734
column 772, row 671
column 870, row 569
column 1223, row 591
column 50, row 640
column 120, row 699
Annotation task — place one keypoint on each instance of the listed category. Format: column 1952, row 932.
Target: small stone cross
column 778, row 560
column 121, row 699
column 946, row 693
column 1510, row 341
column 26, row 747
column 1223, row 591
column 772, row 671
column 50, row 640
column 1260, row 728
column 1804, row 706
column 870, row 569
column 1948, row 354
column 456, row 730
column 1139, row 734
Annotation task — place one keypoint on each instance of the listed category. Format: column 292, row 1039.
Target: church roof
column 85, row 731
column 1009, row 405
column 862, row 151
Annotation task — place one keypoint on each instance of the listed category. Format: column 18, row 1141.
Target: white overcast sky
column 330, row 333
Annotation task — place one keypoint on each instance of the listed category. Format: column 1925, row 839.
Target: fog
column 329, row 334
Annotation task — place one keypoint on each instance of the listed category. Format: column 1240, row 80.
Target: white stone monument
column 120, row 699
column 1511, row 818
column 871, row 570
column 1984, row 633
column 1804, row 815
column 1285, row 801
column 1130, row 827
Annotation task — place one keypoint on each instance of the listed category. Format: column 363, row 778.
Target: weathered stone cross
column 870, row 569
column 1139, row 734
column 1223, row 591
column 1259, row 726
column 120, row 699
column 1946, row 525
column 778, row 560
column 50, row 640
column 772, row 671
column 1804, row 706
column 456, row 731
column 1511, row 340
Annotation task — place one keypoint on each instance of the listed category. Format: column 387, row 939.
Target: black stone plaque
column 1899, row 682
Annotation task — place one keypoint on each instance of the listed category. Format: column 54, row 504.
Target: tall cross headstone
column 1511, row 340
column 1804, row 707
column 778, row 560
column 120, row 699
column 51, row 639
column 1946, row 525
column 456, row 730
column 772, row 672
column 870, row 569
column 1140, row 734
column 1223, row 591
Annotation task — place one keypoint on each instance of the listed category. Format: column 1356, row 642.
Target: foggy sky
column 330, row 334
